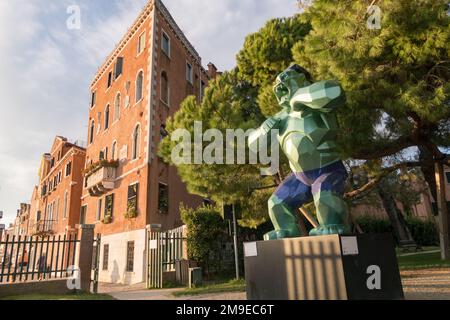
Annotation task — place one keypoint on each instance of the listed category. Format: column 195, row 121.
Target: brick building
column 22, row 220
column 55, row 203
column 127, row 187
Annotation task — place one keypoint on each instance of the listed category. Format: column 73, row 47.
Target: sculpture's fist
column 269, row 124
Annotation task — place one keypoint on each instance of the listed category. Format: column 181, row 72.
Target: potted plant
column 107, row 220
column 131, row 210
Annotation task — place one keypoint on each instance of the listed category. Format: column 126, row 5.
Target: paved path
column 429, row 284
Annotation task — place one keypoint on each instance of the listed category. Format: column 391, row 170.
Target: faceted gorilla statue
column 307, row 128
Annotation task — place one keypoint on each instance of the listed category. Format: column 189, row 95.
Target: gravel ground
column 429, row 284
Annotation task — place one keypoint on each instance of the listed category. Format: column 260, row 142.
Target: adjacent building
column 55, row 203
column 127, row 187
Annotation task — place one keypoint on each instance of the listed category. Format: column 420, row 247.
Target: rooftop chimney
column 212, row 70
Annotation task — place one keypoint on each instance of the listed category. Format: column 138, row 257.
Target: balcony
column 100, row 178
column 42, row 228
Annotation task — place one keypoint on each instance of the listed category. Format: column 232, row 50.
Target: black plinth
column 362, row 267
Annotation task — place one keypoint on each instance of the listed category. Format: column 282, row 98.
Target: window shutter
column 118, row 68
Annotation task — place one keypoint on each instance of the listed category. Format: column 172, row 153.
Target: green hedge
column 423, row 232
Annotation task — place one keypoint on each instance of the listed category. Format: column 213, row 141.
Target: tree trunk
column 401, row 230
column 443, row 218
column 428, row 170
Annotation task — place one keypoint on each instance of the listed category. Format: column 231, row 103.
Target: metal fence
column 164, row 249
column 24, row 258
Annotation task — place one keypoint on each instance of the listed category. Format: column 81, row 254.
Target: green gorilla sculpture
column 307, row 128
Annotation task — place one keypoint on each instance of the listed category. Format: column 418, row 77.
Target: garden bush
column 424, row 232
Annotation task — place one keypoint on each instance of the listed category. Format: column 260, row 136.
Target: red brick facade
column 141, row 50
column 55, row 203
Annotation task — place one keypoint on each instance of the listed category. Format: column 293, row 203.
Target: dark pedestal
column 362, row 267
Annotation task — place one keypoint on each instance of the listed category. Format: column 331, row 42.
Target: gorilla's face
column 287, row 84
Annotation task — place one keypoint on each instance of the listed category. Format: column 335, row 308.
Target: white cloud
column 46, row 68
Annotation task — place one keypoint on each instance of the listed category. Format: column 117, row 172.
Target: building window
column 447, row 174
column 118, row 68
column 57, row 210
column 165, row 44
column 117, row 107
column 132, row 200
column 68, row 169
column 93, row 98
column 91, row 132
column 130, row 256
column 114, row 151
column 141, row 43
column 109, row 205
column 66, row 203
column 163, row 198
column 98, row 217
column 105, row 257
column 189, row 73
column 83, row 215
column 202, row 89
column 107, row 117
column 110, row 77
column 164, row 88
column 139, row 86
column 136, row 140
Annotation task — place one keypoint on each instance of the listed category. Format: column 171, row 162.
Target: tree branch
column 374, row 182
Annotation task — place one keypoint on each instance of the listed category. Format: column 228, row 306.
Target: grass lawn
column 217, row 287
column 60, row 297
column 422, row 260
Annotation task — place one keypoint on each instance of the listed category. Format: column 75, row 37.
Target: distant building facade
column 55, row 202
column 127, row 187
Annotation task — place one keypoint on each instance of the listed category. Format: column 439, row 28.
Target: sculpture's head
column 288, row 82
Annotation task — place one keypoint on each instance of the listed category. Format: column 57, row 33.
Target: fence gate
column 163, row 250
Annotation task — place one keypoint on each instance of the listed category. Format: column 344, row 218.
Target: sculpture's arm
column 323, row 96
column 264, row 131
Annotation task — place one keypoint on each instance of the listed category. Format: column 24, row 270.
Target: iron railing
column 26, row 258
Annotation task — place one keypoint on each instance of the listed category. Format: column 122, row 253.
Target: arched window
column 136, row 140
column 91, row 132
column 117, row 107
column 114, row 150
column 107, row 117
column 164, row 88
column 139, row 86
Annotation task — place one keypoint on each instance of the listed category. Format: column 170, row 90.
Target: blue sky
column 45, row 68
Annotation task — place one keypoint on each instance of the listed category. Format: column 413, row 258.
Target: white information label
column 250, row 249
column 153, row 244
column 349, row 246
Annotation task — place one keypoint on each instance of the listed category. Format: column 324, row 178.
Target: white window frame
column 168, row 89
column 117, row 108
column 66, row 204
column 137, row 144
column 139, row 48
column 98, row 214
column 169, row 43
column 190, row 77
column 136, row 87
